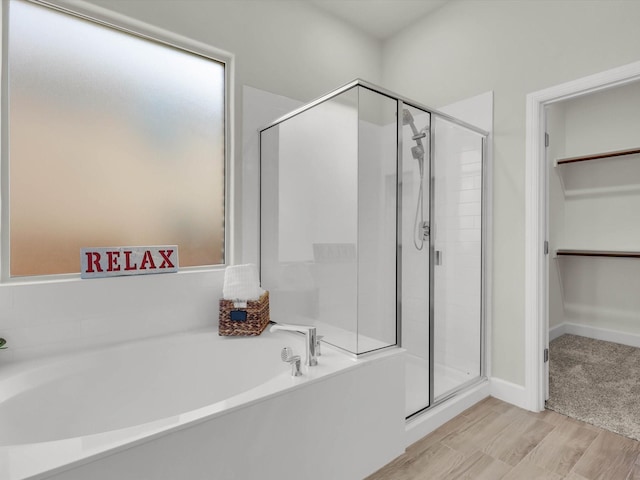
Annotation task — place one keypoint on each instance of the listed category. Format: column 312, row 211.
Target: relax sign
column 114, row 261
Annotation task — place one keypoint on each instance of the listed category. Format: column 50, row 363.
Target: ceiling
column 380, row 18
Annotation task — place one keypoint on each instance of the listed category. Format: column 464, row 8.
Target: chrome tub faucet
column 311, row 339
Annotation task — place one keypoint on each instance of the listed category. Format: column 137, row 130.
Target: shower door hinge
column 546, row 355
column 546, row 139
column 546, row 247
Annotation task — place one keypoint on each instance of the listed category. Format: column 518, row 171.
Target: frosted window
column 113, row 140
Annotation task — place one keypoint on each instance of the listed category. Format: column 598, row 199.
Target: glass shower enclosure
column 371, row 229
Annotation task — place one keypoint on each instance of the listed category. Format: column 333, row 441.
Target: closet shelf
column 598, row 253
column 595, row 156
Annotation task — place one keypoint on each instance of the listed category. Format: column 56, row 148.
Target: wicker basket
column 244, row 321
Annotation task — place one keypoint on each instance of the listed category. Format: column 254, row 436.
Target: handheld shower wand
column 417, row 151
column 420, row 227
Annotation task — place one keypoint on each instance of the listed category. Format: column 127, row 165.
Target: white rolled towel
column 241, row 282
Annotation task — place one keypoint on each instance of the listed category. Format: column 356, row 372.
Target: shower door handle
column 437, row 257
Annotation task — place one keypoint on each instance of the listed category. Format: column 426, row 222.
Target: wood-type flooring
column 494, row 440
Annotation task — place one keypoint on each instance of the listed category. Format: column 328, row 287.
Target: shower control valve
column 426, row 230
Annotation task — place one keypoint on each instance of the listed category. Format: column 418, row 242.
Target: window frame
column 140, row 29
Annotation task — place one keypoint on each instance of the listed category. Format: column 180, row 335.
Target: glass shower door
column 456, row 243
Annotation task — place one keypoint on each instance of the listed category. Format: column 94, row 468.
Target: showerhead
column 417, row 152
column 407, row 119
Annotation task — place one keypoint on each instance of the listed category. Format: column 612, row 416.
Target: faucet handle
column 287, row 356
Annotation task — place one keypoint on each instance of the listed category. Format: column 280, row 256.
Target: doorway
column 538, row 251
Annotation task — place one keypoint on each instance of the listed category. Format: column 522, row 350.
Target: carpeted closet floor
column 597, row 382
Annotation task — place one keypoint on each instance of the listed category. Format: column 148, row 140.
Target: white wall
column 513, row 48
column 284, row 47
column 596, row 205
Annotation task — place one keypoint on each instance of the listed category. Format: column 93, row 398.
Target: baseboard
column 557, row 331
column 508, row 392
column 422, row 425
column 631, row 339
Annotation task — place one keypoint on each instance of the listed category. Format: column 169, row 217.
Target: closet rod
column 595, row 156
column 599, row 253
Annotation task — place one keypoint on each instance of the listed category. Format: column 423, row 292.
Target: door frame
column 536, row 218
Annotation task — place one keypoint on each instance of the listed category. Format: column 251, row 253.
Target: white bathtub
column 196, row 405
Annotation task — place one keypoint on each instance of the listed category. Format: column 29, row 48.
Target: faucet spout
column 310, row 339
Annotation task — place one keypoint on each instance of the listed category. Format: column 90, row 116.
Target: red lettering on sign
column 147, row 259
column 113, row 265
column 93, row 260
column 166, row 262
column 115, row 261
column 127, row 261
